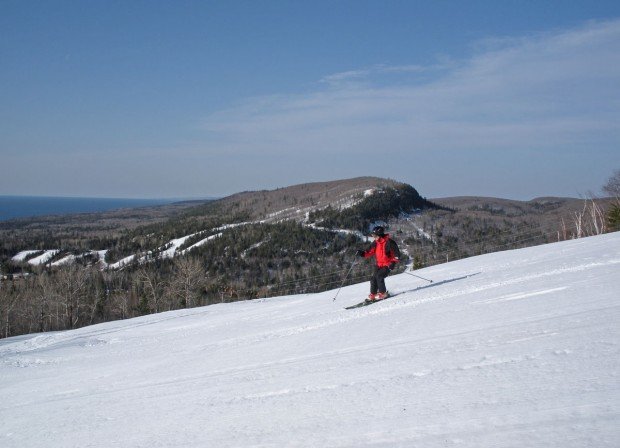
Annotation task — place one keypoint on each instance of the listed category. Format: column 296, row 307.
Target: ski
column 365, row 303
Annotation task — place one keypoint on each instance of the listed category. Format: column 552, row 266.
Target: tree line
column 247, row 262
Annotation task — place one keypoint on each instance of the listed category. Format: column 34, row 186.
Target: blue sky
column 515, row 99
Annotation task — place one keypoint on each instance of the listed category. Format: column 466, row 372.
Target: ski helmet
column 378, row 230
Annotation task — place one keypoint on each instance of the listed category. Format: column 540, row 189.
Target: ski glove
column 392, row 266
column 360, row 253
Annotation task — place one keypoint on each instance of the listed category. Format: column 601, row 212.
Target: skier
column 386, row 254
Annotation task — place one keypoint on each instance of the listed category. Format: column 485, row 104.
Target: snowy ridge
column 512, row 349
column 172, row 248
column 341, row 201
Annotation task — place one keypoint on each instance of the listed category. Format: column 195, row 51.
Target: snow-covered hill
column 513, row 349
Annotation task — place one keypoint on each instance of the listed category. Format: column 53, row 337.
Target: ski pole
column 430, row 281
column 345, row 278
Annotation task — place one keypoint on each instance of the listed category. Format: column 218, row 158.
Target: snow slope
column 513, row 349
column 36, row 261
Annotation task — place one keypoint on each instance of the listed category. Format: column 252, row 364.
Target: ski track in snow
column 512, row 349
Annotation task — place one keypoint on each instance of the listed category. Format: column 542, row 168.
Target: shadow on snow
column 443, row 282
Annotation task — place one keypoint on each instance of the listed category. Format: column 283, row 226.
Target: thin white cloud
column 377, row 70
column 543, row 92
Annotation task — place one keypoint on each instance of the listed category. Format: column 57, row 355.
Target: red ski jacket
column 385, row 251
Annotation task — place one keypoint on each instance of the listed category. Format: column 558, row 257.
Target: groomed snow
column 121, row 263
column 43, row 258
column 513, row 349
column 36, row 261
column 21, row 256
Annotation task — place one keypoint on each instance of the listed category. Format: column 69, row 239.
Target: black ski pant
column 377, row 281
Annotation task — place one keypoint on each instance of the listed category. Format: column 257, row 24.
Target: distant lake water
column 29, row 206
